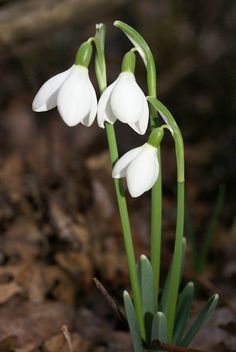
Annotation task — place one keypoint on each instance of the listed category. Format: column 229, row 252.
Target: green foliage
column 133, row 326
column 159, row 327
column 200, row 320
column 200, row 254
column 145, row 274
column 184, row 307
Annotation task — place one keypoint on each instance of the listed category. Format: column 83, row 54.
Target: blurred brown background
column 57, row 206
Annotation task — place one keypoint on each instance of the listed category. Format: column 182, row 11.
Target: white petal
column 141, row 125
column 104, row 111
column 88, row 120
column 46, row 98
column 127, row 99
column 120, row 167
column 143, row 171
column 74, row 96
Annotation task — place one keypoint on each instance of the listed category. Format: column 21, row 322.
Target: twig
column 110, row 300
column 67, row 336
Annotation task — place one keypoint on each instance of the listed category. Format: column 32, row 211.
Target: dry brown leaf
column 8, row 291
column 33, row 323
column 92, row 327
column 77, row 264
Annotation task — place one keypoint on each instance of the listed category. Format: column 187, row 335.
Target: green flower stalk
column 156, row 203
column 101, row 77
column 172, row 294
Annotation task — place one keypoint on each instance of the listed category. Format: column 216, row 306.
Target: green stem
column 156, row 198
column 100, row 67
column 120, row 194
column 156, row 207
column 156, row 217
column 178, row 248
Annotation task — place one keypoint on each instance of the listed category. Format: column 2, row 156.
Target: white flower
column 73, row 94
column 124, row 100
column 140, row 167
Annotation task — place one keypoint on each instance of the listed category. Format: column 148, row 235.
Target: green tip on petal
column 84, row 54
column 129, row 62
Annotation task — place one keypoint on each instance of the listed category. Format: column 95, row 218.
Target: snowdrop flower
column 124, row 100
column 140, row 165
column 71, row 91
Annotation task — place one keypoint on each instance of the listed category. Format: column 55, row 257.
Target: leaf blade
column 132, row 322
column 200, row 320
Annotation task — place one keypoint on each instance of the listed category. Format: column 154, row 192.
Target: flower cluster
column 74, row 96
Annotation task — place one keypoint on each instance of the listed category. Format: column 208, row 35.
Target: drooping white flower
column 124, row 100
column 71, row 91
column 140, row 167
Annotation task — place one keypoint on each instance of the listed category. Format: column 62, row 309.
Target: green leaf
column 165, row 295
column 159, row 327
column 184, row 306
column 133, row 326
column 145, row 274
column 211, row 228
column 200, row 320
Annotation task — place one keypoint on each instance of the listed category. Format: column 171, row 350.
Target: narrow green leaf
column 165, row 295
column 146, row 284
column 145, row 274
column 184, row 306
column 211, row 228
column 159, row 327
column 200, row 320
column 133, row 326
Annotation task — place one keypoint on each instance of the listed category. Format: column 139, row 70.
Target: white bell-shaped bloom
column 140, row 167
column 125, row 101
column 73, row 94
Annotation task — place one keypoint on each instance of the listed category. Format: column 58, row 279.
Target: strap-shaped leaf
column 184, row 306
column 200, row 320
column 145, row 274
column 159, row 327
column 133, row 326
column 165, row 295
column 211, row 228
